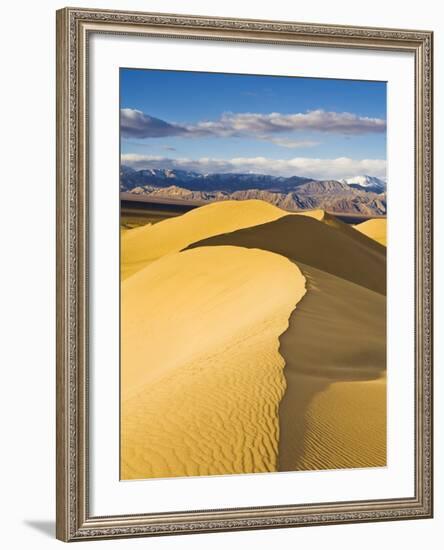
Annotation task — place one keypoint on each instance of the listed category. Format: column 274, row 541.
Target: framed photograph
column 244, row 274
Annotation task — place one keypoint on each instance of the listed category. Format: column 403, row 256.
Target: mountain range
column 363, row 195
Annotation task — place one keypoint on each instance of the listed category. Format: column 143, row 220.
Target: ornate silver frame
column 74, row 521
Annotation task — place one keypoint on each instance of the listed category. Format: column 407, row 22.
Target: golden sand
column 142, row 245
column 375, row 229
column 201, row 373
column 317, row 214
column 222, row 374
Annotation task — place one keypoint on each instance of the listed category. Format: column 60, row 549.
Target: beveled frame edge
column 73, row 521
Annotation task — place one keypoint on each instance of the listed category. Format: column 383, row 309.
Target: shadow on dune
column 329, row 246
column 337, row 332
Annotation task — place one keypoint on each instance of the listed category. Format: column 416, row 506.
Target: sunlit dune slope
column 317, row 214
column 376, row 229
column 142, row 245
column 341, row 252
column 201, row 373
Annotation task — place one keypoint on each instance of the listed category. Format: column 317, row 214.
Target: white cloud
column 342, row 167
column 237, row 124
column 137, row 124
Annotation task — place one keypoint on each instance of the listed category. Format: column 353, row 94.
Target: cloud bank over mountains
column 137, row 124
column 337, row 168
column 288, row 131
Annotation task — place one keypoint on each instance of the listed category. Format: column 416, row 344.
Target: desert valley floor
column 252, row 340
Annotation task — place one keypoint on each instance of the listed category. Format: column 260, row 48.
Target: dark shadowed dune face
column 330, row 246
column 336, row 333
column 333, row 221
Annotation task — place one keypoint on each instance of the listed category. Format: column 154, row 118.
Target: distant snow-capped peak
column 365, row 181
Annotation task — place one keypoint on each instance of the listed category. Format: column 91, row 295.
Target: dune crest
column 142, row 245
column 375, row 229
column 329, row 245
column 318, row 213
column 335, row 346
column 145, row 244
column 202, row 376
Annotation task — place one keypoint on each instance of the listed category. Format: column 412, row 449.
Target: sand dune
column 201, row 373
column 142, row 245
column 337, row 250
column 376, row 229
column 334, row 349
column 205, row 389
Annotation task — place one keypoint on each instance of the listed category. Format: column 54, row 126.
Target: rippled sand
column 202, row 377
column 259, row 348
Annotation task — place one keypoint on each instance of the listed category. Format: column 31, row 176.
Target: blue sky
column 237, row 123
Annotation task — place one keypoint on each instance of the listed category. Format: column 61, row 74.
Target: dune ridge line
column 329, row 408
column 335, row 346
column 143, row 245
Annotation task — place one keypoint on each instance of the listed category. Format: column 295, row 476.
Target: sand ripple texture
column 202, row 376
